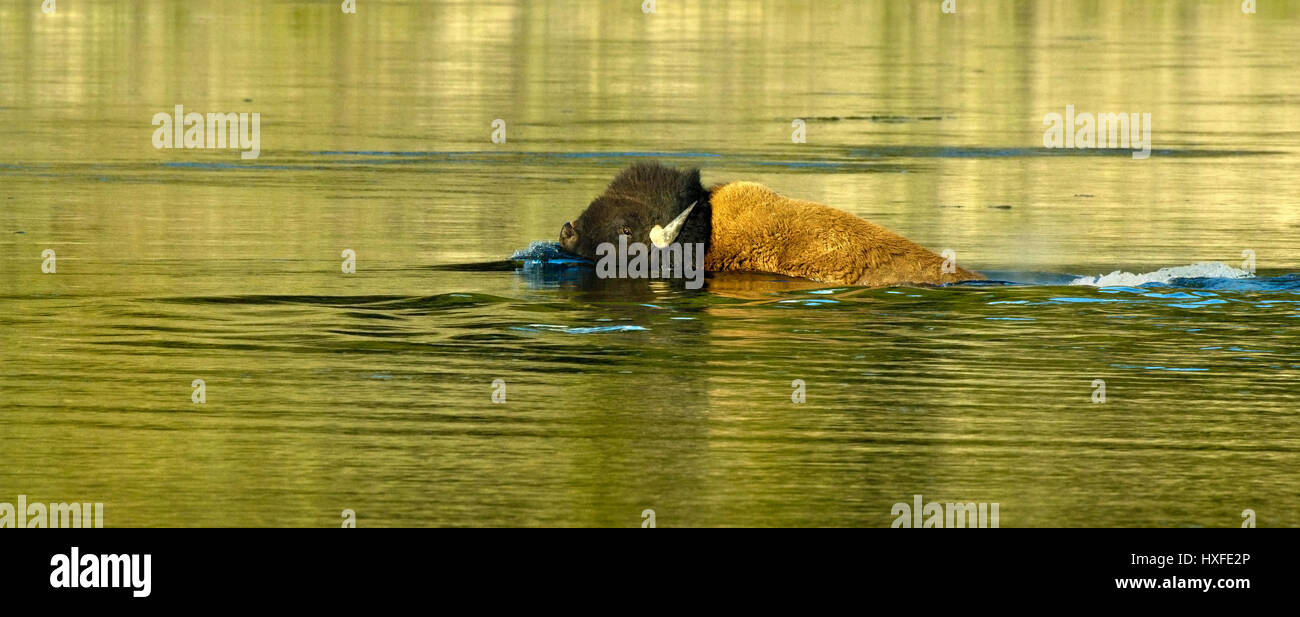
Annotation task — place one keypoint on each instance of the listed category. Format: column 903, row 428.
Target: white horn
column 661, row 237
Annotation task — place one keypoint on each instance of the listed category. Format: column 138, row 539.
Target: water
column 372, row 391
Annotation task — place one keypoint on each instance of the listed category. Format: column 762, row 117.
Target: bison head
column 647, row 202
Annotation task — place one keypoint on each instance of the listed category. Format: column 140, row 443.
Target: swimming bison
column 747, row 227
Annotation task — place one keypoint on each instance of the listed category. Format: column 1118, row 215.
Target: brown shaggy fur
column 757, row 230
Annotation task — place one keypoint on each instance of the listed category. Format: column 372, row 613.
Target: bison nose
column 568, row 238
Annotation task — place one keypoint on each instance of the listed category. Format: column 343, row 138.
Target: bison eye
column 627, row 231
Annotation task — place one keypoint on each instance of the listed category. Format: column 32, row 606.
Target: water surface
column 373, row 391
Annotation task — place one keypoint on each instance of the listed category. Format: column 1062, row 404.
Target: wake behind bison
column 742, row 227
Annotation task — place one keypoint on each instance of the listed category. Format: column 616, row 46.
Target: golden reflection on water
column 376, row 137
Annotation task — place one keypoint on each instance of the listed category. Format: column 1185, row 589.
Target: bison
column 747, row 227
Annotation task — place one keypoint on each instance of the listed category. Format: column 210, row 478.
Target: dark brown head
column 642, row 198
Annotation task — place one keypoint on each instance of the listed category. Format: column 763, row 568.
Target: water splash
column 1209, row 269
column 545, row 252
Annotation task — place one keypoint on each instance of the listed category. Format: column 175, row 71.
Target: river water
column 373, row 391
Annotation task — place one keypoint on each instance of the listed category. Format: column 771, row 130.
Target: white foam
column 1209, row 269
